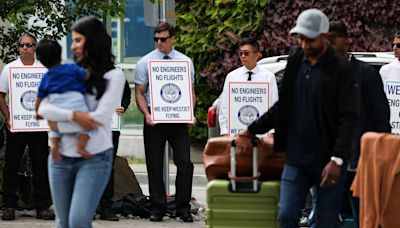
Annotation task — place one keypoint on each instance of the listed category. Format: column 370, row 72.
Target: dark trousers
column 37, row 143
column 108, row 194
column 295, row 184
column 154, row 142
column 354, row 202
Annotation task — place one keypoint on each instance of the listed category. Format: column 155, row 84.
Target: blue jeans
column 76, row 187
column 295, row 184
column 354, row 202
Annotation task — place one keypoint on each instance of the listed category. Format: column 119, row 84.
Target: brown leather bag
column 216, row 157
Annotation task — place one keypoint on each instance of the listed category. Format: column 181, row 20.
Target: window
column 137, row 36
column 131, row 39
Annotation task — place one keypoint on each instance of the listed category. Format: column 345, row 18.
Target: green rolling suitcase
column 242, row 202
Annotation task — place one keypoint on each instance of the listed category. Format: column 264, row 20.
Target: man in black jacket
column 372, row 102
column 314, row 120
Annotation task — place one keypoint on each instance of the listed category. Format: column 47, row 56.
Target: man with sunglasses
column 37, row 143
column 314, row 121
column 249, row 53
column 390, row 74
column 156, row 135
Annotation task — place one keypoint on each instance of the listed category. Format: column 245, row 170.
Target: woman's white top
column 101, row 110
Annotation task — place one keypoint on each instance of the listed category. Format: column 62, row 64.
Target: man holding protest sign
column 165, row 95
column 390, row 74
column 25, row 73
column 248, row 92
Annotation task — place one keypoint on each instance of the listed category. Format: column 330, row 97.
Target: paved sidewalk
column 24, row 222
column 27, row 219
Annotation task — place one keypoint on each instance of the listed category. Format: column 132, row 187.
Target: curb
column 199, row 177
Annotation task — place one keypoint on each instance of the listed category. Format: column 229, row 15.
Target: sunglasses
column 163, row 39
column 397, row 45
column 245, row 53
column 30, row 44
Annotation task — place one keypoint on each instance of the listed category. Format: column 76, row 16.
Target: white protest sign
column 23, row 84
column 115, row 122
column 392, row 89
column 247, row 102
column 170, row 87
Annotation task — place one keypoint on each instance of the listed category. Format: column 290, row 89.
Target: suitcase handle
column 245, row 178
column 232, row 174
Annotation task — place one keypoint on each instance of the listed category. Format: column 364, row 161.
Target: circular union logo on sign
column 28, row 100
column 170, row 93
column 247, row 114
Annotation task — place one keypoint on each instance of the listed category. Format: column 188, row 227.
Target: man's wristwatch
column 337, row 160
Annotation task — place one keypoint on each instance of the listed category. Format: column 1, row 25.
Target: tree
column 46, row 18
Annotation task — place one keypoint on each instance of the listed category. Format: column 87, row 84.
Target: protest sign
column 23, row 84
column 115, row 122
column 247, row 102
column 170, row 87
column 392, row 89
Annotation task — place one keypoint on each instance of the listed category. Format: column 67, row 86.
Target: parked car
column 277, row 65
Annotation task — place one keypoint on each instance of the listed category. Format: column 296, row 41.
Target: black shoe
column 186, row 217
column 108, row 214
column 45, row 214
column 8, row 214
column 155, row 218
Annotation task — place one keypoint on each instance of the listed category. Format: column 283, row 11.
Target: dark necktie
column 166, row 57
column 249, row 78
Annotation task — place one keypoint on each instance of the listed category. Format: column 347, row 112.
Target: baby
column 64, row 85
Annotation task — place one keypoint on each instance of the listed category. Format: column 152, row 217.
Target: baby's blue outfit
column 65, row 87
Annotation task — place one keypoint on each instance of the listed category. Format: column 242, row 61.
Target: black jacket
column 126, row 96
column 373, row 104
column 336, row 107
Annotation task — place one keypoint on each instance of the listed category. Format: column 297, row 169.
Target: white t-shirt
column 241, row 75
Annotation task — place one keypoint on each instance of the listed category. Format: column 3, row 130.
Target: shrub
column 209, row 31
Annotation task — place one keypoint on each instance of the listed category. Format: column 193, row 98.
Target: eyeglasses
column 397, row 45
column 163, row 39
column 245, row 53
column 30, row 44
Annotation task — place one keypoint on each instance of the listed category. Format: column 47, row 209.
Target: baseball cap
column 311, row 23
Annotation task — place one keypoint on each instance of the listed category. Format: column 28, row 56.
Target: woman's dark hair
column 97, row 52
column 48, row 52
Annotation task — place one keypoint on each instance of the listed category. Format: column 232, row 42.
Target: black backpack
column 136, row 204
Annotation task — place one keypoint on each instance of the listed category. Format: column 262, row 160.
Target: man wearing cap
column 314, row 120
column 372, row 102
